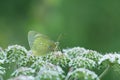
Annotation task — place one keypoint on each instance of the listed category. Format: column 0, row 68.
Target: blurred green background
column 93, row 24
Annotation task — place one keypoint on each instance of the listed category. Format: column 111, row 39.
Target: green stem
column 104, row 72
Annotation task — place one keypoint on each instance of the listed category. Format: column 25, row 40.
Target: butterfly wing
column 40, row 44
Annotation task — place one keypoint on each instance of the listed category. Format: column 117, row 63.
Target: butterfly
column 41, row 44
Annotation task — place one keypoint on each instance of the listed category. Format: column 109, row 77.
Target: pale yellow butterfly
column 40, row 44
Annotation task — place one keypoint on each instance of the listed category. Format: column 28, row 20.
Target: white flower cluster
column 81, row 62
column 50, row 72
column 2, row 56
column 112, row 58
column 80, row 73
column 18, row 47
column 38, row 64
column 23, row 77
column 72, row 64
column 74, row 52
column 94, row 55
column 23, row 71
column 49, row 66
column 15, row 53
column 82, row 52
column 30, row 60
column 58, row 58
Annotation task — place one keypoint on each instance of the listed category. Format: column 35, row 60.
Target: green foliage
column 92, row 24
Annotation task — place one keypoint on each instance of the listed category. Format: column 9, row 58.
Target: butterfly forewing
column 40, row 44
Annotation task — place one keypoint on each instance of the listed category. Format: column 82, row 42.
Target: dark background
column 93, row 24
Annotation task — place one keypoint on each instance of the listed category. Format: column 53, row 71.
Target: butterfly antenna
column 57, row 42
column 59, row 37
